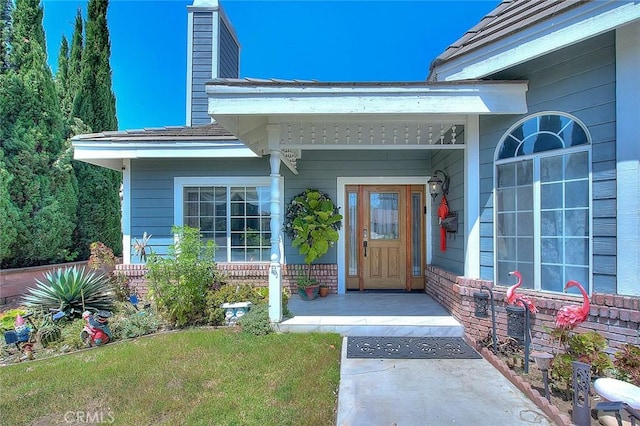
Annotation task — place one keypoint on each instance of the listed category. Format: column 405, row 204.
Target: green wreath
column 309, row 202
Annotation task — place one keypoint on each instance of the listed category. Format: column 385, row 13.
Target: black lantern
column 438, row 186
column 480, row 298
column 515, row 322
column 518, row 328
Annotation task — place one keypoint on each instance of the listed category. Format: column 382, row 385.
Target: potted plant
column 312, row 222
column 324, row 290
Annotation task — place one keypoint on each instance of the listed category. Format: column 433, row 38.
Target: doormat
column 410, row 348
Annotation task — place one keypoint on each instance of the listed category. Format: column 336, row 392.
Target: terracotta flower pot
column 324, row 291
column 309, row 292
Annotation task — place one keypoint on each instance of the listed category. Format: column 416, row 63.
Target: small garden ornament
column 517, row 299
column 140, row 247
column 96, row 330
column 568, row 317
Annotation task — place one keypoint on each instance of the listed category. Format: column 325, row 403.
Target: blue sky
column 326, row 41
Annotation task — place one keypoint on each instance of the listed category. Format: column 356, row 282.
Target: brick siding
column 616, row 318
column 256, row 274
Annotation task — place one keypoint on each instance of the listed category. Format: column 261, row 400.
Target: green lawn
column 199, row 376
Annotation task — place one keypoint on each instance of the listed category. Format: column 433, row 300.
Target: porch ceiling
column 313, row 115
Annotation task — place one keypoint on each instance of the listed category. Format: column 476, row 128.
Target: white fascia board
column 581, row 23
column 107, row 163
column 472, row 98
column 89, row 152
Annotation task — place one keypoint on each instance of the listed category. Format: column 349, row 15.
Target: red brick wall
column 617, row 318
column 16, row 282
column 256, row 274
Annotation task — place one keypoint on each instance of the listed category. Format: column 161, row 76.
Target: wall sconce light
column 438, row 186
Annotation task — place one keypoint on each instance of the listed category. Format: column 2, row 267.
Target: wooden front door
column 384, row 228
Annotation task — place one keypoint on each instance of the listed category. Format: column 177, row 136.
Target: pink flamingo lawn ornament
column 512, row 297
column 568, row 317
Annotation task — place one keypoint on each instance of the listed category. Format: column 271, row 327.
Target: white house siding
column 579, row 80
column 452, row 163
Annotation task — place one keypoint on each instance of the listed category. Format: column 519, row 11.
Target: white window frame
column 179, row 183
column 536, row 157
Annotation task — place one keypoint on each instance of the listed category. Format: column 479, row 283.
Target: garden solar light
column 543, row 361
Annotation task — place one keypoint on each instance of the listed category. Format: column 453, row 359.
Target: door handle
column 364, row 243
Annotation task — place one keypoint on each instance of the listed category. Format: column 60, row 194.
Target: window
column 235, row 215
column 543, row 203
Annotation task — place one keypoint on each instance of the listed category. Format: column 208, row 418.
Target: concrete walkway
column 419, row 392
column 410, row 392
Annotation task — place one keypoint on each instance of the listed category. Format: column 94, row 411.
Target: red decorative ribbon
column 443, row 211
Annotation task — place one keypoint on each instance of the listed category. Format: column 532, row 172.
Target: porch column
column 125, row 211
column 628, row 159
column 275, row 276
column 472, row 198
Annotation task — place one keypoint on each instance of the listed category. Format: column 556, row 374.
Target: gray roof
column 251, row 82
column 509, row 17
column 213, row 131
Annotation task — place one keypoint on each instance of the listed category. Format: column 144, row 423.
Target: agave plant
column 71, row 290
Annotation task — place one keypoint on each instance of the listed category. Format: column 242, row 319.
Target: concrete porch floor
column 372, row 314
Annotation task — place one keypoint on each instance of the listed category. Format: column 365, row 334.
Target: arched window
column 542, row 200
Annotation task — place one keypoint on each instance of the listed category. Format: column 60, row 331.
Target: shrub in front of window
column 132, row 323
column 256, row 321
column 588, row 347
column 627, row 364
column 178, row 283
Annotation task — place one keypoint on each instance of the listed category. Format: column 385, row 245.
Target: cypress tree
column 75, row 55
column 94, row 104
column 36, row 157
column 69, row 66
column 6, row 7
column 62, row 78
column 8, row 213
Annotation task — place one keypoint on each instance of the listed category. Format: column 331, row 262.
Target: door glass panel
column 352, row 200
column 416, row 232
column 383, row 211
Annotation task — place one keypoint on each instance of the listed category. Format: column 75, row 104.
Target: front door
column 384, row 229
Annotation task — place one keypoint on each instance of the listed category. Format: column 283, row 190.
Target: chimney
column 212, row 51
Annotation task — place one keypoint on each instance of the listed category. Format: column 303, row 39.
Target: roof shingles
column 509, row 17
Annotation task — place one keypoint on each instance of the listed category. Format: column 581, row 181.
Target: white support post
column 125, row 214
column 275, row 269
column 472, row 198
column 628, row 158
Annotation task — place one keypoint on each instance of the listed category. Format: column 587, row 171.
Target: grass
column 198, row 376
